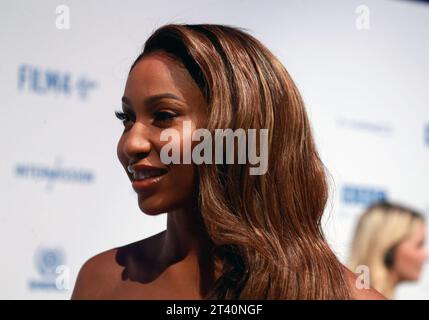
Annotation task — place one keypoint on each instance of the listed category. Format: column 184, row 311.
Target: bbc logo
column 362, row 195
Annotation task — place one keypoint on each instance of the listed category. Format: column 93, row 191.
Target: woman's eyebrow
column 154, row 98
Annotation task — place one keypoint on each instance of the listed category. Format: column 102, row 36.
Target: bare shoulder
column 98, row 276
column 101, row 275
column 362, row 294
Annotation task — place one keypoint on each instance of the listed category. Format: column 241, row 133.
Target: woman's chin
column 151, row 206
column 159, row 203
column 151, row 210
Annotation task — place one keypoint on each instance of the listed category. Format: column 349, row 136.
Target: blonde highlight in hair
column 266, row 229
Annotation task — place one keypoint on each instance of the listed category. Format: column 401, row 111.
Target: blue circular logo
column 47, row 260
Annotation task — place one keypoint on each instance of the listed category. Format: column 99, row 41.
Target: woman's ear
column 389, row 258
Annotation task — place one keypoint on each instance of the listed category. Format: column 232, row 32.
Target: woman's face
column 159, row 94
column 410, row 256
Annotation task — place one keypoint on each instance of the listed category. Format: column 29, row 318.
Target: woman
column 230, row 234
column 389, row 240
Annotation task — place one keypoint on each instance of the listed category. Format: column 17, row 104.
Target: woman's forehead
column 159, row 73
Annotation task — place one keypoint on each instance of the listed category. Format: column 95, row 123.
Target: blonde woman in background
column 389, row 239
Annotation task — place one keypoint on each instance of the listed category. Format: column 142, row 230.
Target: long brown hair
column 266, row 228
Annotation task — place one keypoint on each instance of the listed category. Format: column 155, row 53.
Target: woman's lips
column 145, row 176
column 141, row 185
column 146, row 179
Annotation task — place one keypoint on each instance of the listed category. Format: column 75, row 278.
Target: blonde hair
column 379, row 231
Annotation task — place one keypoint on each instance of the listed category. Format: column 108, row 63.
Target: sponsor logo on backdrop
column 365, row 125
column 362, row 195
column 42, row 81
column 52, row 273
column 427, row 135
column 52, row 174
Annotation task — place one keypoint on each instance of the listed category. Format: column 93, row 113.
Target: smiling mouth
column 148, row 174
column 145, row 179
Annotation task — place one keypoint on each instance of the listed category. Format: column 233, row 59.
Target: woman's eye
column 164, row 116
column 123, row 117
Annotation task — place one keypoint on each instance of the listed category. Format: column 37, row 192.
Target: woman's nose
column 137, row 143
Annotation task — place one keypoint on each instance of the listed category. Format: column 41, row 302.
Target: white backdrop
column 64, row 194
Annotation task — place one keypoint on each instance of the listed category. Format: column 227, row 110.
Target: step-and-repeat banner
column 362, row 68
